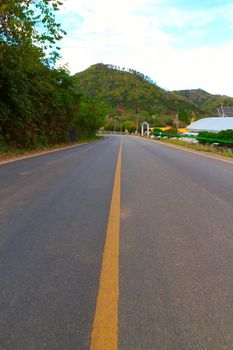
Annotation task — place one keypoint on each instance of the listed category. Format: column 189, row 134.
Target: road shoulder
column 201, row 153
column 9, row 158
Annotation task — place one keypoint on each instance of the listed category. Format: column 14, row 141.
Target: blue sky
column 179, row 44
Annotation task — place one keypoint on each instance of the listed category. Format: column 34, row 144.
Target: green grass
column 7, row 152
column 198, row 147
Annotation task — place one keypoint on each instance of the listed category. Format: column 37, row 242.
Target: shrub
column 157, row 131
column 206, row 137
column 222, row 137
column 171, row 131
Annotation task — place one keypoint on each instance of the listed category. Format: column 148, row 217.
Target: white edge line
column 188, row 150
column 41, row 153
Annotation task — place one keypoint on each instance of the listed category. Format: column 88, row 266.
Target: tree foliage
column 29, row 22
column 205, row 101
column 134, row 91
column 39, row 104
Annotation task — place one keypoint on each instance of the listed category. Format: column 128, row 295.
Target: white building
column 211, row 124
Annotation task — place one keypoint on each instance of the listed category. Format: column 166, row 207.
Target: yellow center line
column 105, row 326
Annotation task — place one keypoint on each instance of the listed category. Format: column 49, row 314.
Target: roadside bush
column 171, row 131
column 157, row 131
column 206, row 137
column 226, row 135
column 212, row 137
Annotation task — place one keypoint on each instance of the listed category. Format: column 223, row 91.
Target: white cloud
column 207, row 68
column 103, row 6
column 198, row 33
column 133, row 34
column 179, row 18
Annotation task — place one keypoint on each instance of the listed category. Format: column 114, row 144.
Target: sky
column 180, row 44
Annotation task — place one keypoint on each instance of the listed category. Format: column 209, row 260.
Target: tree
column 184, row 116
column 170, row 122
column 90, row 116
column 130, row 126
column 29, row 22
column 38, row 103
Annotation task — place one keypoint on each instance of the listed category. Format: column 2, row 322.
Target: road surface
column 65, row 277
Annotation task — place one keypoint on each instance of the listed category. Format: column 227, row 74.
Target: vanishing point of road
column 124, row 243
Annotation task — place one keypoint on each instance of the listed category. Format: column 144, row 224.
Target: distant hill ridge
column 205, row 100
column 133, row 92
column 102, row 66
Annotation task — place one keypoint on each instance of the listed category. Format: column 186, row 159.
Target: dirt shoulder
column 188, row 148
column 21, row 154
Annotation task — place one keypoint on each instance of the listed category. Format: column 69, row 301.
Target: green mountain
column 204, row 100
column 128, row 93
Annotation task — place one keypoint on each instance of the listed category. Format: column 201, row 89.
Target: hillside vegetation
column 129, row 94
column 39, row 103
column 205, row 101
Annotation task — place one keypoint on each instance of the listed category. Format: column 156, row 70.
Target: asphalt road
column 175, row 255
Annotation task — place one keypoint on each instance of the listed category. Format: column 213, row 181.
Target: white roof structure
column 212, row 124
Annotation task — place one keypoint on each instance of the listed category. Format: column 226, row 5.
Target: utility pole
column 177, row 121
column 136, row 120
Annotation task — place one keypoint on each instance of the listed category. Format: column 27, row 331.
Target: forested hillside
column 131, row 93
column 206, row 101
column 39, row 104
column 133, row 96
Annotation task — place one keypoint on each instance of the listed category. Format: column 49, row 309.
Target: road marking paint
column 188, row 150
column 42, row 153
column 105, row 326
column 198, row 153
